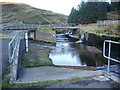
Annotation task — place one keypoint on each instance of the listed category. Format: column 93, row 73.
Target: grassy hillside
column 20, row 13
column 114, row 15
column 109, row 30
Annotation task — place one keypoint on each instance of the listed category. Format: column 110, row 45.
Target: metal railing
column 13, row 50
column 109, row 52
column 13, row 45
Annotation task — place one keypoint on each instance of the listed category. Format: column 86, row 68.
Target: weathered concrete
column 0, row 62
column 4, row 55
column 87, row 83
column 45, row 73
column 45, row 36
column 16, row 64
column 4, row 59
column 97, row 41
column 114, row 72
column 21, row 52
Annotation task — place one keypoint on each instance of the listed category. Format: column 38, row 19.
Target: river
column 70, row 53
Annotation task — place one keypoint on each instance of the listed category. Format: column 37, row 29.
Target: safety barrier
column 13, row 49
column 109, row 52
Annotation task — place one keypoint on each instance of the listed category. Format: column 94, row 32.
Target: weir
column 65, row 49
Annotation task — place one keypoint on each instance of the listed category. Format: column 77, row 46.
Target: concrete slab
column 87, row 83
column 45, row 73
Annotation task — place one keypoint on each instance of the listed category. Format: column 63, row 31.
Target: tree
column 73, row 16
column 88, row 12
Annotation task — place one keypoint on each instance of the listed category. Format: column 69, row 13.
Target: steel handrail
column 109, row 52
column 13, row 43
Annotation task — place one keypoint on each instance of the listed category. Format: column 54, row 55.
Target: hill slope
column 114, row 15
column 22, row 13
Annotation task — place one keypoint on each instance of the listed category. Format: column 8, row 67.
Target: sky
column 59, row 6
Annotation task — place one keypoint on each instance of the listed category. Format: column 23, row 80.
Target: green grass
column 0, row 85
column 6, row 84
column 116, row 83
column 100, row 30
column 30, row 15
column 77, row 67
column 48, row 30
column 36, row 57
column 47, row 41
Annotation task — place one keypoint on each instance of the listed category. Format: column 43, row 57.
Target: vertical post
column 9, row 50
column 34, row 34
column 109, row 56
column 26, row 40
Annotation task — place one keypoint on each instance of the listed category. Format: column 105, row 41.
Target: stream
column 70, row 53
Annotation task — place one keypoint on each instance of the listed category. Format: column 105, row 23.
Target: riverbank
column 36, row 57
column 37, row 61
column 95, row 35
column 108, row 31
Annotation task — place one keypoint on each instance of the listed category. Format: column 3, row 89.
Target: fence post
column 26, row 40
column 109, row 56
column 9, row 51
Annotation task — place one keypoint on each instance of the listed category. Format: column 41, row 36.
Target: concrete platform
column 46, row 73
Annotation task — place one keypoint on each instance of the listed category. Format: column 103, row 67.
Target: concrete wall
column 4, row 53
column 45, row 36
column 21, row 52
column 97, row 41
column 5, row 58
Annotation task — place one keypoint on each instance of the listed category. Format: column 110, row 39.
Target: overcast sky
column 59, row 6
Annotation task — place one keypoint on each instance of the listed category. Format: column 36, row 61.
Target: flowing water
column 70, row 53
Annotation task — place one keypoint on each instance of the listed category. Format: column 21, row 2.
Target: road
column 3, row 55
